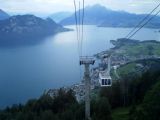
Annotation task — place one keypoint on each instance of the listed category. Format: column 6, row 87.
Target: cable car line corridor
column 103, row 76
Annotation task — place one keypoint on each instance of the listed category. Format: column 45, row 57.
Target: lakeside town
column 119, row 57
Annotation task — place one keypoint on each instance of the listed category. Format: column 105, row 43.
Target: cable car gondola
column 105, row 79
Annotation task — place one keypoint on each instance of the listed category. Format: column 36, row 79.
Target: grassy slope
column 142, row 48
column 133, row 69
column 124, row 70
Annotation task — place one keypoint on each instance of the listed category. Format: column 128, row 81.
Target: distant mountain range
column 3, row 15
column 103, row 17
column 57, row 17
column 26, row 29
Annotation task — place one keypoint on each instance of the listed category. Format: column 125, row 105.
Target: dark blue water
column 25, row 72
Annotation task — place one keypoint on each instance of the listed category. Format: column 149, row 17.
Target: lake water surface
column 25, row 72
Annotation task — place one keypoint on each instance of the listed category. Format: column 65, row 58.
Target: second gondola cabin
column 105, row 79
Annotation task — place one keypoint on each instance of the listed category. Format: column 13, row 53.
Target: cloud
column 34, row 6
column 46, row 7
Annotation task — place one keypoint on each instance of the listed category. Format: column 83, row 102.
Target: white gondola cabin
column 105, row 80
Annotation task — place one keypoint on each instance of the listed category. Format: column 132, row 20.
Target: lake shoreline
column 54, row 63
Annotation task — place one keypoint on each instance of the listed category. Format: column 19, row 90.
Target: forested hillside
column 128, row 99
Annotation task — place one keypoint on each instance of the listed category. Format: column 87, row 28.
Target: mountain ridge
column 57, row 17
column 3, row 15
column 26, row 29
column 103, row 17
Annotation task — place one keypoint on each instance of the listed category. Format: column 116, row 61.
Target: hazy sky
column 46, row 7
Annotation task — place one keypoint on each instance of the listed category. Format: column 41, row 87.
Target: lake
column 26, row 72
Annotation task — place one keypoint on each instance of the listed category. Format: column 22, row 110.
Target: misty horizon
column 45, row 8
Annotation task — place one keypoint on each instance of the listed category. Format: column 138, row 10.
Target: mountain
column 57, row 17
column 103, row 17
column 26, row 29
column 3, row 15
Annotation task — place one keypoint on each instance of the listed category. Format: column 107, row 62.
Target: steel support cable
column 77, row 33
column 82, row 37
column 79, row 27
column 144, row 24
column 143, row 20
column 77, row 19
